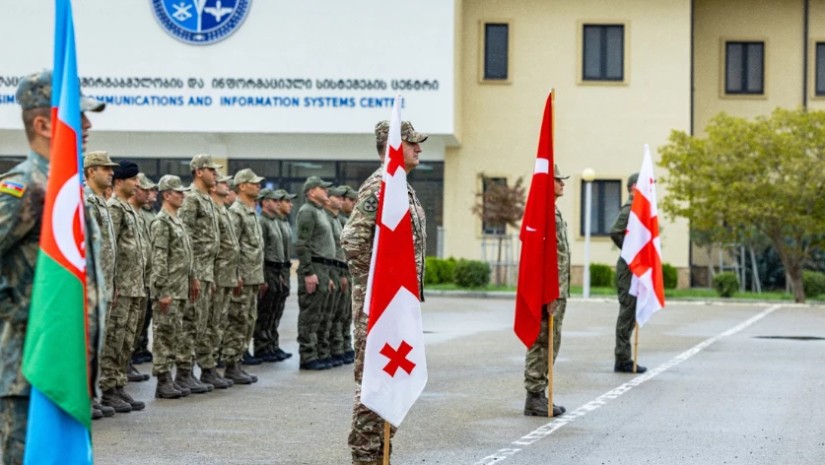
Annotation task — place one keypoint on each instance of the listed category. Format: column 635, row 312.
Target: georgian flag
column 395, row 367
column 642, row 248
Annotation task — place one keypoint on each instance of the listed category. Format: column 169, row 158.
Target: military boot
column 183, row 391
column 96, row 414
column 249, row 375
column 536, row 405
column 209, row 386
column 165, row 388
column 233, row 373
column 111, row 399
column 134, row 376
column 185, row 379
column 210, row 376
column 106, row 410
column 136, row 404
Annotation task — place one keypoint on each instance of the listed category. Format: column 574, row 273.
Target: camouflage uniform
column 337, row 301
column 367, row 434
column 346, row 304
column 244, row 307
column 130, row 292
column 535, row 363
column 226, row 279
column 22, row 194
column 200, row 220
column 315, row 247
column 147, row 215
column 169, row 277
column 626, row 320
column 273, row 263
column 100, row 212
column 286, row 270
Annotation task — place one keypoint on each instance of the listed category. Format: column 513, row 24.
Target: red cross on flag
column 642, row 248
column 395, row 368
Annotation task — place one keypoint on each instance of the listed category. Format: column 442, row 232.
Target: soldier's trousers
column 121, row 327
column 535, row 362
column 195, row 316
column 366, row 437
column 214, row 322
column 625, row 323
column 326, row 330
column 340, row 339
column 142, row 341
column 14, row 412
column 280, row 304
column 220, row 306
column 166, row 327
column 240, row 323
column 267, row 305
column 311, row 313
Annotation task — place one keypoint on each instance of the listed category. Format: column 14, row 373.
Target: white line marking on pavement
column 549, row 428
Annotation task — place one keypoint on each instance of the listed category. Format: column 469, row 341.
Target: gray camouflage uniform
column 366, row 438
column 535, row 363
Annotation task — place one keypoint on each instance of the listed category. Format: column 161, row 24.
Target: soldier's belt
column 278, row 265
column 330, row 262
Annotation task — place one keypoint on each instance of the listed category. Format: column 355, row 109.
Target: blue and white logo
column 200, row 22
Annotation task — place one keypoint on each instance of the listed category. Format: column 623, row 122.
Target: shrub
column 726, row 284
column 439, row 270
column 671, row 276
column 602, row 275
column 813, row 282
column 472, row 273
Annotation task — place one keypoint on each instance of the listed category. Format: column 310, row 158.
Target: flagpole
column 636, row 347
column 386, row 442
column 550, row 324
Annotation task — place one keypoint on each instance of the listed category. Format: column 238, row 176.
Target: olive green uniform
column 273, row 263
column 626, row 320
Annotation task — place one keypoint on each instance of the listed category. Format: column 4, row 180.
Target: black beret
column 126, row 169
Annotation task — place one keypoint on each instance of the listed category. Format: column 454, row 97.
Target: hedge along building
column 294, row 89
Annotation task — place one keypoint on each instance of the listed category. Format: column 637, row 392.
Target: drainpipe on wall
column 805, row 39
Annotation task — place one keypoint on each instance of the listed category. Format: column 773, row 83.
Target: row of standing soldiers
column 217, row 275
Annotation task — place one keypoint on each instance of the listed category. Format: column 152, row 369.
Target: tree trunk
column 793, row 267
column 498, row 260
column 798, row 289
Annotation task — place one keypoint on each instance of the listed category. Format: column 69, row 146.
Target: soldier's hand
column 344, row 284
column 551, row 309
column 311, row 283
column 331, row 285
column 164, row 303
column 236, row 291
column 194, row 289
column 262, row 290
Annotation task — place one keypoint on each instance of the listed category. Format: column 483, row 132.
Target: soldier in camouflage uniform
column 139, row 201
column 626, row 320
column 227, row 280
column 535, row 362
column 273, row 263
column 315, row 246
column 243, row 308
column 338, row 299
column 130, row 292
column 284, row 208
column 366, row 439
column 169, row 279
column 347, row 206
column 22, row 193
column 147, row 212
column 200, row 220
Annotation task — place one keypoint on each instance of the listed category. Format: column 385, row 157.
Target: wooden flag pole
column 386, row 442
column 550, row 324
column 636, row 348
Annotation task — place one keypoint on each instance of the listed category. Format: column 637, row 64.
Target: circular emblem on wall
column 200, row 22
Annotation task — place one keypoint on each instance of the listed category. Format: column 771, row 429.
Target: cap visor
column 90, row 104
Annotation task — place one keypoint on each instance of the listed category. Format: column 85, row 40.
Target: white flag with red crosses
column 395, row 367
column 642, row 248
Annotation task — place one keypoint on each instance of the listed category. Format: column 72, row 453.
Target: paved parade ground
column 728, row 383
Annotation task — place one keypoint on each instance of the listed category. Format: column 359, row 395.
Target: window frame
column 580, row 41
column 599, row 193
column 746, row 43
column 482, row 51
column 815, row 92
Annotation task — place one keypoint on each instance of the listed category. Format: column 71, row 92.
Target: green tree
column 764, row 174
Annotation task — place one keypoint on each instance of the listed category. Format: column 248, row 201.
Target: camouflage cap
column 408, row 133
column 35, row 91
column 202, row 161
column 246, row 175
column 97, row 158
column 338, row 191
column 282, row 194
column 145, row 183
column 557, row 174
column 171, row 182
column 267, row 193
column 315, row 181
column 631, row 181
column 351, row 194
column 227, row 179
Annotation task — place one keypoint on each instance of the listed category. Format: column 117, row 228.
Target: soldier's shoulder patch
column 369, row 205
column 12, row 187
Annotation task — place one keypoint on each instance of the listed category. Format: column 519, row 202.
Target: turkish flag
column 538, row 273
column 395, row 367
column 642, row 248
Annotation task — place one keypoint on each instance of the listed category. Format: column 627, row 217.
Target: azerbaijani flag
column 54, row 357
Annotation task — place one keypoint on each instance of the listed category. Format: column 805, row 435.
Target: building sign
column 323, row 67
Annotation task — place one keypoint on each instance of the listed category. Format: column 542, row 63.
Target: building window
column 744, row 67
column 820, row 68
column 605, row 205
column 603, row 50
column 488, row 227
column 496, row 51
